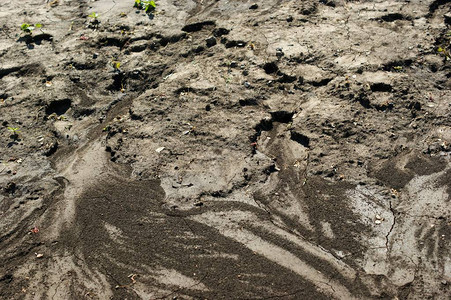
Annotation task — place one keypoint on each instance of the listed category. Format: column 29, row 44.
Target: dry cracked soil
column 219, row 149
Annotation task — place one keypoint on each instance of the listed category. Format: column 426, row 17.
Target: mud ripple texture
column 240, row 150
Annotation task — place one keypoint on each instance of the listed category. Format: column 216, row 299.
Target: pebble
column 340, row 254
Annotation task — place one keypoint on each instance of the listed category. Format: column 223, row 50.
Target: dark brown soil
column 225, row 150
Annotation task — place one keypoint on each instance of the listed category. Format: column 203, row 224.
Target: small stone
column 340, row 254
column 378, row 217
column 253, row 6
column 377, row 222
column 247, row 84
column 158, row 150
column 39, row 255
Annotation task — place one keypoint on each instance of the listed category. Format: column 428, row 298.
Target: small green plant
column 147, row 6
column 116, row 64
column 14, row 132
column 94, row 22
column 28, row 28
column 94, row 16
column 444, row 52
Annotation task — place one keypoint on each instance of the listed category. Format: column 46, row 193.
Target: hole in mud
column 328, row 3
column 183, row 90
column 270, row 169
column 381, row 87
column 10, row 188
column 436, row 4
column 218, row 32
column 300, row 138
column 393, row 17
column 447, row 19
column 164, row 40
column 118, row 82
column 83, row 112
column 395, row 65
column 239, row 44
column 264, row 125
column 6, row 278
column 51, row 149
column 270, row 68
column 134, row 116
column 197, row 26
column 116, row 42
column 282, row 116
column 248, row 102
column 7, row 71
column 322, row 82
column 58, row 107
column 287, row 78
column 363, row 100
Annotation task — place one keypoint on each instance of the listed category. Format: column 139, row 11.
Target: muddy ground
column 225, row 150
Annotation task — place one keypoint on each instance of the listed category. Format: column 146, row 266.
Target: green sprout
column 116, row 64
column 147, row 6
column 94, row 15
column 444, row 52
column 15, row 132
column 28, row 28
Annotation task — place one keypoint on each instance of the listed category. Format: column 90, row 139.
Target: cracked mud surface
column 283, row 150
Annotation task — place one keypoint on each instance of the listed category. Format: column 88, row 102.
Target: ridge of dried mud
column 278, row 150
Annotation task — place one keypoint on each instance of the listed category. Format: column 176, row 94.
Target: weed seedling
column 14, row 132
column 28, row 28
column 116, row 65
column 94, row 16
column 94, row 22
column 147, row 6
column 444, row 52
